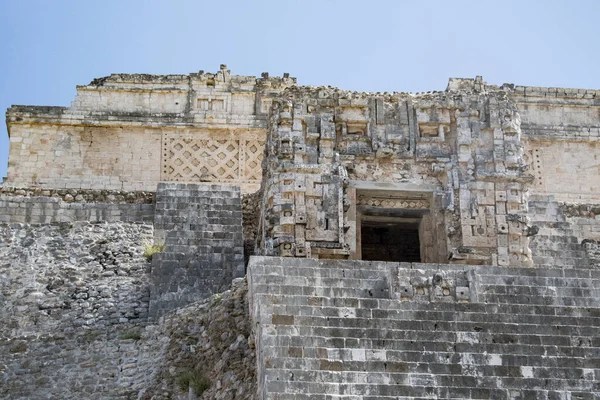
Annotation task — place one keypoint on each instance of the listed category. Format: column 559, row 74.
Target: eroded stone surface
column 453, row 160
column 70, row 295
column 131, row 131
column 478, row 181
column 212, row 339
column 459, row 163
column 68, row 276
column 349, row 329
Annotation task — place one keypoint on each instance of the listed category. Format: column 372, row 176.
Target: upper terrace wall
column 561, row 132
column 132, row 157
column 85, row 157
column 129, row 132
column 459, row 163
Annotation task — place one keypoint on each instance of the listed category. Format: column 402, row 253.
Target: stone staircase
column 555, row 243
column 330, row 329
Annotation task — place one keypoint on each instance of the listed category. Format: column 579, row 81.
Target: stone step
column 335, row 307
column 345, row 268
column 568, row 301
column 427, row 361
column 334, row 338
column 542, row 282
column 534, row 331
column 401, row 380
column 423, row 393
column 354, row 327
column 541, row 292
column 306, row 305
column 510, row 277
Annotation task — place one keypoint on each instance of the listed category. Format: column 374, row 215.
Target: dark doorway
column 396, row 241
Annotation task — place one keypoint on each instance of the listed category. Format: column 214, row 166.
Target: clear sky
column 48, row 47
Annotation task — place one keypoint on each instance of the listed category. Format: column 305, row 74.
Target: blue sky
column 48, row 47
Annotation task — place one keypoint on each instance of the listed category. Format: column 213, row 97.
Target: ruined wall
column 128, row 132
column 74, row 301
column 86, row 157
column 197, row 231
column 461, row 161
column 29, row 206
column 79, row 295
column 70, row 295
column 251, row 206
column 477, row 174
column 211, row 341
column 342, row 329
column 567, row 170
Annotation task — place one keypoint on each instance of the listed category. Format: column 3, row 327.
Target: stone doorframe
column 390, row 202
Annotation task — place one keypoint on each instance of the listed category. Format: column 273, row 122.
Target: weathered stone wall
column 74, row 301
column 94, row 364
column 474, row 152
column 84, row 157
column 561, row 130
column 201, row 228
column 49, row 210
column 339, row 329
column 453, row 160
column 212, row 342
column 128, row 132
column 72, row 297
column 81, row 195
column 476, row 174
column 199, row 235
column 566, row 170
column 562, row 230
column 251, row 208
column 76, row 288
column 67, row 276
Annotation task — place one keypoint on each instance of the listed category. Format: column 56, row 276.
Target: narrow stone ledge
column 82, row 195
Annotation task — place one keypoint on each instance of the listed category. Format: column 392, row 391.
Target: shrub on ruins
column 134, row 334
column 194, row 379
column 18, row 347
column 152, row 249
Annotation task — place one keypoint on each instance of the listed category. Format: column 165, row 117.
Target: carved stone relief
column 212, row 157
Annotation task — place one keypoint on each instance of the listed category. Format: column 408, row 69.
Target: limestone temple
column 368, row 246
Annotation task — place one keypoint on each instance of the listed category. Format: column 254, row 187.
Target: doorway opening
column 390, row 239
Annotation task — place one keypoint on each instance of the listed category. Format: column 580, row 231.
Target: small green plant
column 19, row 347
column 41, row 381
column 130, row 334
column 152, row 249
column 194, row 379
column 216, row 299
column 91, row 336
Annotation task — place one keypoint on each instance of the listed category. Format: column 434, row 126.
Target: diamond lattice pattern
column 202, row 159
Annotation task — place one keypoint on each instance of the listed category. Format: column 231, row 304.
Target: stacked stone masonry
column 69, row 295
column 383, row 331
column 457, row 161
column 201, row 228
column 78, row 298
column 457, row 164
